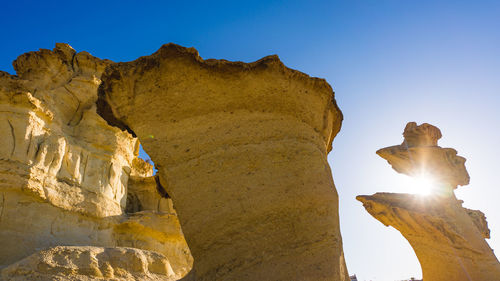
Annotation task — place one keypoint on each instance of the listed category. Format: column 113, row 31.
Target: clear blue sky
column 389, row 61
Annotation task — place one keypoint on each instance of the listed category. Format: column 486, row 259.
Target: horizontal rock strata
column 420, row 156
column 241, row 149
column 447, row 238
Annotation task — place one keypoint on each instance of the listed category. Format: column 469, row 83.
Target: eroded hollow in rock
column 145, row 191
column 159, row 187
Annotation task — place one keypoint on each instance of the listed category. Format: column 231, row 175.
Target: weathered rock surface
column 447, row 238
column 91, row 263
column 419, row 155
column 241, row 149
column 53, row 134
column 64, row 172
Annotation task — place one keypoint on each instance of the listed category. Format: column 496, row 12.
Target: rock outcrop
column 420, row 156
column 241, row 149
column 91, row 263
column 447, row 238
column 65, row 174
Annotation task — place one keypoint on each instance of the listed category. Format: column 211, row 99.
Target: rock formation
column 241, row 149
column 67, row 178
column 447, row 238
column 420, row 156
column 91, row 263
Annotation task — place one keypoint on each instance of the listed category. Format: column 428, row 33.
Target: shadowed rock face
column 241, row 149
column 447, row 238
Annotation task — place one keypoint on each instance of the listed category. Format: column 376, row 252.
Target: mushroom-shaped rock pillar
column 242, row 151
column 447, row 238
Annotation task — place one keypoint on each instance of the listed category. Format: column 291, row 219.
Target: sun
column 423, row 185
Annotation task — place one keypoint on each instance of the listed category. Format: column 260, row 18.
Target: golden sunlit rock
column 447, row 238
column 84, row 263
column 242, row 150
column 67, row 177
column 420, row 156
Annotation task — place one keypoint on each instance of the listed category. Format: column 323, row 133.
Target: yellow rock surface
column 447, row 238
column 91, row 263
column 64, row 172
column 419, row 155
column 448, row 243
column 52, row 132
column 241, row 149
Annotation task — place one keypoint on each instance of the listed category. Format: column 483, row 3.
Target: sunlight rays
column 423, row 185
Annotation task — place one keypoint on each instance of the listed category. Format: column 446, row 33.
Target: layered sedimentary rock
column 241, row 149
column 152, row 219
column 420, row 156
column 51, row 131
column 447, row 238
column 64, row 172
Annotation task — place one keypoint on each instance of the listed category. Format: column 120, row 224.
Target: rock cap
column 420, row 155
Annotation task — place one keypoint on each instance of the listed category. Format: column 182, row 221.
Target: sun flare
column 423, row 185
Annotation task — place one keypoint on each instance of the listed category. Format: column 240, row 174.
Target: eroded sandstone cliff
column 66, row 175
column 447, row 238
column 241, row 149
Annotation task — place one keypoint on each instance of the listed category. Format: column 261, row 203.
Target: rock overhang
column 228, row 71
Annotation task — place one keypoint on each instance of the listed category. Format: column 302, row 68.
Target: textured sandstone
column 419, row 155
column 53, row 133
column 241, row 149
column 447, row 238
column 64, row 172
column 91, row 263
